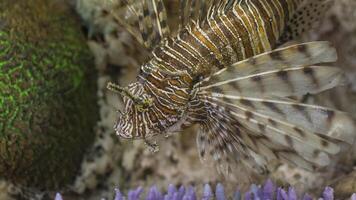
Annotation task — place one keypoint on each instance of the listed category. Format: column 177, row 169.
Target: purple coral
column 219, row 192
column 134, row 194
column 58, row 197
column 118, row 195
column 328, row 194
column 207, row 193
column 353, row 197
column 153, row 194
column 266, row 192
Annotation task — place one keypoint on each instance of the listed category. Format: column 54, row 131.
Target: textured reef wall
column 48, row 105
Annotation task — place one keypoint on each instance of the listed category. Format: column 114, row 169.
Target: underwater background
column 57, row 117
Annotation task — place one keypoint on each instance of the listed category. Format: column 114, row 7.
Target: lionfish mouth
column 121, row 132
column 122, row 128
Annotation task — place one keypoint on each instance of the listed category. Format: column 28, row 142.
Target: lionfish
column 225, row 69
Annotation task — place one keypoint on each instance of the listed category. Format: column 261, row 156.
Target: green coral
column 47, row 93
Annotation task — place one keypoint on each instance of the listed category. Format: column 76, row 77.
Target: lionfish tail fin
column 252, row 98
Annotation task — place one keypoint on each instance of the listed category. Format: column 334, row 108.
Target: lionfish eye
column 141, row 103
column 144, row 104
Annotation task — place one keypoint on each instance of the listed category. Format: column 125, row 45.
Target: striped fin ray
column 161, row 17
column 188, row 11
column 310, row 146
column 145, row 20
column 264, row 150
column 295, row 55
column 194, row 10
column 281, row 72
column 154, row 24
column 294, row 81
column 253, row 94
column 306, row 15
column 229, row 138
column 127, row 15
column 314, row 119
column 225, row 142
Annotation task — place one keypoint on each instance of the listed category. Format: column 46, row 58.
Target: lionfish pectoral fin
column 147, row 21
column 221, row 139
column 268, row 130
column 283, row 72
column 307, row 14
column 253, row 95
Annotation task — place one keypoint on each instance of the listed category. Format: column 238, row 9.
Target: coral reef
column 268, row 191
column 48, row 102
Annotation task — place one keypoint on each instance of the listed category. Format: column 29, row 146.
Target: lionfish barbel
column 225, row 70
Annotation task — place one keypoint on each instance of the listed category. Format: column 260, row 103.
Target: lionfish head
column 132, row 121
